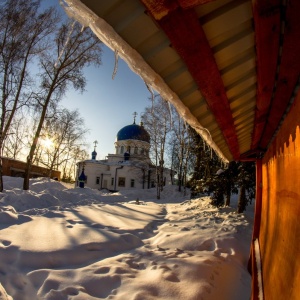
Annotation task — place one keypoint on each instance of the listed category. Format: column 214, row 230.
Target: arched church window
column 128, row 149
column 142, row 151
column 122, row 149
column 135, row 150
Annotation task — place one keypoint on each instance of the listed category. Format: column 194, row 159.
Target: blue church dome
column 133, row 132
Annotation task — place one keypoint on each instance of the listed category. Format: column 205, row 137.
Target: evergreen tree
column 210, row 177
column 246, row 182
column 230, row 175
column 206, row 164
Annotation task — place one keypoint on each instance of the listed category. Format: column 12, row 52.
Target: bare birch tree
column 62, row 66
column 15, row 139
column 62, row 133
column 23, row 35
column 157, row 121
column 181, row 148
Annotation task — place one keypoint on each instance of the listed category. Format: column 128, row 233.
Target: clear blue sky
column 108, row 104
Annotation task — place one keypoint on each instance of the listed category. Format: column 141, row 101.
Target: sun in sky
column 47, row 142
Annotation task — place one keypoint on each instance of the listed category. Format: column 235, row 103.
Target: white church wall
column 113, row 177
column 129, row 168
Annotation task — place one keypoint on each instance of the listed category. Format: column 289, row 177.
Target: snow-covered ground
column 60, row 243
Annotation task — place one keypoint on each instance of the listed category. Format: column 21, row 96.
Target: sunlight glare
column 47, row 143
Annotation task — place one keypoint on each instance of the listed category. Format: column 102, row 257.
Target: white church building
column 129, row 168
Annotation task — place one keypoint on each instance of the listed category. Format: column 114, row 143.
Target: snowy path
column 192, row 256
column 166, row 249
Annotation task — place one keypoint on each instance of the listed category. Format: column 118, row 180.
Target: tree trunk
column 1, row 175
column 242, row 200
column 157, row 185
column 180, row 177
column 228, row 195
column 37, row 135
column 27, row 174
column 218, row 198
column 5, row 129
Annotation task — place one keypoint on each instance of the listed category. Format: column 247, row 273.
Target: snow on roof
column 78, row 11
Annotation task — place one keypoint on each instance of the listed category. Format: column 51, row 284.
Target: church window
column 132, row 183
column 128, row 149
column 107, row 168
column 97, row 180
column 121, row 181
column 112, row 181
column 135, row 150
column 122, row 149
column 142, row 151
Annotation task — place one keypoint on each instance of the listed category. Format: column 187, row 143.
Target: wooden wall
column 16, row 168
column 279, row 233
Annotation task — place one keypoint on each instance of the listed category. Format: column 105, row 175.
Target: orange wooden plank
column 289, row 71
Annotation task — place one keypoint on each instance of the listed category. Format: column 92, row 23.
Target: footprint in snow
column 185, row 229
column 5, row 243
column 102, row 270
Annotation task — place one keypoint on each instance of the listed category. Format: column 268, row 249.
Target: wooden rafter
column 188, row 38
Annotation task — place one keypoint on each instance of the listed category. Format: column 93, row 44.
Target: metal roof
column 133, row 132
column 230, row 67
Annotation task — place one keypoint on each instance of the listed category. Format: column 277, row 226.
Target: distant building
column 129, row 168
column 16, row 168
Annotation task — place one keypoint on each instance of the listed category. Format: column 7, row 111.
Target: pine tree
column 206, row 165
column 210, row 177
column 246, row 182
column 231, row 174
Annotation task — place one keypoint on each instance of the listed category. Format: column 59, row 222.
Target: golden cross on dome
column 95, row 142
column 134, row 116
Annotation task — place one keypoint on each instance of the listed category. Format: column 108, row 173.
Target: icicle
column 116, row 64
column 170, row 111
column 151, row 91
column 106, row 33
column 73, row 12
column 152, row 94
column 206, row 130
column 66, row 44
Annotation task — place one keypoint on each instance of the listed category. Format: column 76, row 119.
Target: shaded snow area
column 60, row 243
